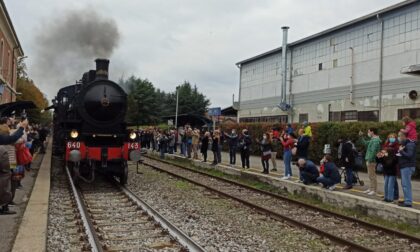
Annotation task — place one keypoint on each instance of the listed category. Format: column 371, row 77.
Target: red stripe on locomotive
column 94, row 153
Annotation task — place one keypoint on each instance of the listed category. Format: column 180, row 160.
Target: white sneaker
column 367, row 191
column 371, row 193
column 331, row 188
column 285, row 178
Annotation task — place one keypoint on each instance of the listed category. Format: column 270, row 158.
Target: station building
column 10, row 51
column 362, row 70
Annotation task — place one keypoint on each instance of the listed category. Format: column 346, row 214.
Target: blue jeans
column 349, row 176
column 184, row 149
column 326, row 182
column 162, row 153
column 406, row 174
column 396, row 190
column 287, row 158
column 389, row 187
column 232, row 154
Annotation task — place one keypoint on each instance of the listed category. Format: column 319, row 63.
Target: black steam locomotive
column 90, row 129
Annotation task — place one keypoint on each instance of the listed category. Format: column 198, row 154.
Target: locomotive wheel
column 124, row 174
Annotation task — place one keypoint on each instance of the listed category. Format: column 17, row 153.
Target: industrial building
column 362, row 70
column 10, row 51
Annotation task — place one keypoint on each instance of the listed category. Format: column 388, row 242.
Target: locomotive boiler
column 90, row 129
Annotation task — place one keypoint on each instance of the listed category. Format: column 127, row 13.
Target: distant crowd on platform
column 396, row 155
column 18, row 143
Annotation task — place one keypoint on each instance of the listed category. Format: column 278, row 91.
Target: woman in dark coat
column 245, row 148
column 347, row 160
column 215, row 146
column 265, row 147
column 205, row 145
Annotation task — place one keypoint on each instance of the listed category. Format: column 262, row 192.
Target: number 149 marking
column 133, row 146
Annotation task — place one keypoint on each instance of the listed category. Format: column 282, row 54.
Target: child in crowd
column 389, row 161
column 410, row 128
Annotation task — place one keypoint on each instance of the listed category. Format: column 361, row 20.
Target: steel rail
column 87, row 224
column 175, row 232
column 272, row 214
column 299, row 203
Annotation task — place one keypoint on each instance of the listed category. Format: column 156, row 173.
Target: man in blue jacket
column 308, row 171
column 330, row 176
column 407, row 163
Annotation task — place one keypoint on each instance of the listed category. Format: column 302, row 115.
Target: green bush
column 328, row 133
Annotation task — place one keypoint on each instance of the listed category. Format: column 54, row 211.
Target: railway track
column 114, row 219
column 355, row 234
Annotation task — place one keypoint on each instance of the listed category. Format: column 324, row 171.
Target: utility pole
column 176, row 109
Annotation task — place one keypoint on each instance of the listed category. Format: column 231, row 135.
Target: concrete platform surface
column 370, row 205
column 255, row 163
column 33, row 228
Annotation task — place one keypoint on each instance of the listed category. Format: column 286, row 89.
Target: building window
column 303, row 118
column 349, row 115
column 335, row 63
column 335, row 116
column 372, row 116
column 320, row 66
column 413, row 113
column 1, row 53
column 265, row 119
column 7, row 63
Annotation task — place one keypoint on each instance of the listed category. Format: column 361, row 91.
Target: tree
column 148, row 105
column 143, row 105
column 21, row 68
column 191, row 101
column 30, row 92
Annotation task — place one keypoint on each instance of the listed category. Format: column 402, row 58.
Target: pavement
column 32, row 233
column 9, row 224
column 255, row 163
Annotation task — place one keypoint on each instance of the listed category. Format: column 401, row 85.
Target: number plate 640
column 73, row 145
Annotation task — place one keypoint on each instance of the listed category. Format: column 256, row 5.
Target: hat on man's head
column 305, row 123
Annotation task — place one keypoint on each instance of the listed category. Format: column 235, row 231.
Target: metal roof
column 334, row 29
column 9, row 21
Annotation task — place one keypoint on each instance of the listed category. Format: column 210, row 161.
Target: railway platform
column 32, row 226
column 351, row 199
column 9, row 224
column 255, row 163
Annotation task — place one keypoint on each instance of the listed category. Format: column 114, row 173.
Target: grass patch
column 311, row 200
column 183, row 185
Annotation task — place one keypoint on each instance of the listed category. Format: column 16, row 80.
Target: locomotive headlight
column 74, row 134
column 133, row 135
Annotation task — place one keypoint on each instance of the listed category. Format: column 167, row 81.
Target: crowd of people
column 397, row 153
column 18, row 143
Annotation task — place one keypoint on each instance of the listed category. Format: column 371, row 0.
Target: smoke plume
column 68, row 46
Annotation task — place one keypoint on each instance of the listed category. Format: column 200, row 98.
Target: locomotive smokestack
column 102, row 69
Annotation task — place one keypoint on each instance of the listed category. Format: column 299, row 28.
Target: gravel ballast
column 219, row 224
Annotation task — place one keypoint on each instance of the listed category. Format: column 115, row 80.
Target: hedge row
column 327, row 133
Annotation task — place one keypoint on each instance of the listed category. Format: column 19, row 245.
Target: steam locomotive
column 89, row 127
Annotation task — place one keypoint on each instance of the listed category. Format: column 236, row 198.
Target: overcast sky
column 171, row 41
